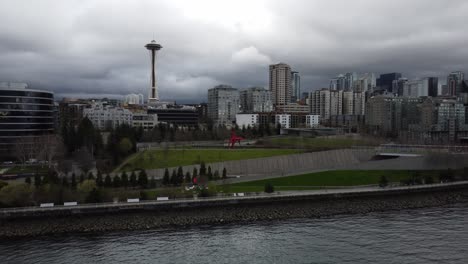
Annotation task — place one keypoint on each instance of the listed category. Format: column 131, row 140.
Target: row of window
column 25, row 100
column 25, row 94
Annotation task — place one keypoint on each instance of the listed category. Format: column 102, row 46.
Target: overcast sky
column 95, row 48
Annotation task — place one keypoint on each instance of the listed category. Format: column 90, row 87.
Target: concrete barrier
column 133, row 200
column 70, row 203
column 46, row 205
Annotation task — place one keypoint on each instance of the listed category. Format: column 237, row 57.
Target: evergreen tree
column 143, row 179
column 28, row 180
column 95, row 196
column 125, row 181
column 166, row 178
column 116, row 182
column 188, row 178
column 37, row 180
column 174, row 177
column 209, row 174
column 99, row 179
column 90, row 176
column 278, row 129
column 152, row 183
column 216, row 175
column 180, row 175
column 73, row 181
column 108, row 181
column 202, row 169
column 133, row 180
column 224, row 173
column 194, row 173
column 82, row 178
column 65, row 182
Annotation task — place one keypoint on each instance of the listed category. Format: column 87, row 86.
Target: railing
column 247, row 196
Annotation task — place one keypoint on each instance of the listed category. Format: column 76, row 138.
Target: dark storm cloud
column 95, row 48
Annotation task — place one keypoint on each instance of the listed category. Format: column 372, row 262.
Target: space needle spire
column 153, row 96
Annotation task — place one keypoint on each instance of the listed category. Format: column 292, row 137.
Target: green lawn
column 326, row 179
column 318, row 143
column 155, row 159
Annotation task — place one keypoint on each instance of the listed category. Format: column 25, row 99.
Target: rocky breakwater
column 226, row 213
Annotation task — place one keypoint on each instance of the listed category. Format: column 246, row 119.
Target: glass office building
column 24, row 115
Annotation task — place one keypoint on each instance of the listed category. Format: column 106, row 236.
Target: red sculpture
column 234, row 138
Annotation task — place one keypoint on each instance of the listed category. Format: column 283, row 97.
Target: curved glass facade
column 24, row 113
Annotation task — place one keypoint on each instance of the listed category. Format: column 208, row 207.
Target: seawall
column 150, row 215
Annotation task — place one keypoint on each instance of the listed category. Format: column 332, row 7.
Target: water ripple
column 436, row 235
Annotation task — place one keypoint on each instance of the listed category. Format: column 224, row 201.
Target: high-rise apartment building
column 343, row 81
column 365, row 82
column 414, row 88
column 256, row 100
column 295, row 86
column 280, row 83
column 223, row 104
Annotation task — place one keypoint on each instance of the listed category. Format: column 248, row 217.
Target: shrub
column 16, row 195
column 428, row 179
column 383, row 182
column 87, row 186
column 269, row 188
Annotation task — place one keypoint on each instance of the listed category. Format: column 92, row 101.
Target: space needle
column 153, row 47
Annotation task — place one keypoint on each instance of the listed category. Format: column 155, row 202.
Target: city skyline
column 93, row 50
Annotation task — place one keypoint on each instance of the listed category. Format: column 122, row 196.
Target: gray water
column 432, row 235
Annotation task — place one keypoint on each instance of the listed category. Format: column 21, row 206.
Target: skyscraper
column 280, row 83
column 431, row 85
column 385, row 81
column 454, row 83
column 295, row 86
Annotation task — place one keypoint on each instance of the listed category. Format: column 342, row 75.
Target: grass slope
column 319, row 180
column 318, row 143
column 155, row 159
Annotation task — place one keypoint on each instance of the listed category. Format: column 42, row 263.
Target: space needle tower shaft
column 153, row 96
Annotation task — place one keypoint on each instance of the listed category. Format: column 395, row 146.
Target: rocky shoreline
column 235, row 213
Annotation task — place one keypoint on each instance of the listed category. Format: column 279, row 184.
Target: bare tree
column 22, row 149
column 48, row 147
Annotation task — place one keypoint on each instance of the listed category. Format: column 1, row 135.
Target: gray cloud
column 95, row 48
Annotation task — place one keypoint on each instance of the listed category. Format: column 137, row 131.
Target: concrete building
column 246, row 120
column 25, row 114
column 414, row 88
column 365, row 83
column 454, row 83
column 134, row 99
column 256, row 100
column 348, row 103
column 144, row 120
column 295, row 87
column 284, row 120
column 398, row 86
column 105, row 116
column 293, row 108
column 326, row 102
column 312, row 121
column 359, row 104
column 223, row 104
column 280, row 83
